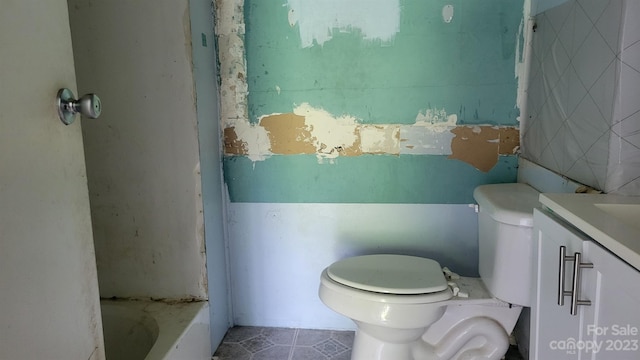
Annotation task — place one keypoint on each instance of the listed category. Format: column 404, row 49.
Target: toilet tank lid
column 389, row 274
column 511, row 204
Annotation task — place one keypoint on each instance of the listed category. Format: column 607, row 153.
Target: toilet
column 410, row 308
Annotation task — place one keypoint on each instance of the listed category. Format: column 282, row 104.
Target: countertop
column 611, row 220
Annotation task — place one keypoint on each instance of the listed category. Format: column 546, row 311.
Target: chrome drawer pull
column 575, row 286
column 563, row 259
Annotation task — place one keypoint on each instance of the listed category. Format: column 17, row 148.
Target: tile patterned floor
column 258, row 343
column 255, row 343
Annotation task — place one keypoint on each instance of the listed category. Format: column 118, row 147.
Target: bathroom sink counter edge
column 608, row 219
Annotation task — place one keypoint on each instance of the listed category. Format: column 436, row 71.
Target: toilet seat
column 389, row 274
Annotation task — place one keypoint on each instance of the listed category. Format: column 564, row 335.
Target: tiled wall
column 582, row 117
column 624, row 156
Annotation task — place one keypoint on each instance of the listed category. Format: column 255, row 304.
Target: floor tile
column 307, row 353
column 275, row 352
column 227, row 351
column 239, row 333
column 280, row 336
column 256, row 343
column 311, row 337
column 330, row 347
column 344, row 337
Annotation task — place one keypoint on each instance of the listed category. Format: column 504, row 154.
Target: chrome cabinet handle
column 574, row 293
column 561, row 281
column 89, row 105
column 575, row 286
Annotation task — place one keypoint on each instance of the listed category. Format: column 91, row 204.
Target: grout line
column 293, row 344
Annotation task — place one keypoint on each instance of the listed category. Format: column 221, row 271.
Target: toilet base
column 450, row 338
column 397, row 345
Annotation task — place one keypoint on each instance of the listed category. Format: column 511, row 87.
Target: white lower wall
column 277, row 252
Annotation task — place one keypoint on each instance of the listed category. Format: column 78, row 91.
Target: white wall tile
column 609, row 24
column 631, row 28
column 578, row 108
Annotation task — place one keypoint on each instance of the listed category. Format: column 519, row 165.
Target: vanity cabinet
column 606, row 322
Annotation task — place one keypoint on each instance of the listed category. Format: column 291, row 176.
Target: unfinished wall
column 355, row 127
column 334, row 95
column 143, row 165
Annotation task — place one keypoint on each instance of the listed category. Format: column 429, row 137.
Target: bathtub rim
column 174, row 319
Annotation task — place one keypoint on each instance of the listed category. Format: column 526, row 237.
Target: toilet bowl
column 407, row 307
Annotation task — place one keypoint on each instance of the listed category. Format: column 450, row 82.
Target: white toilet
column 408, row 307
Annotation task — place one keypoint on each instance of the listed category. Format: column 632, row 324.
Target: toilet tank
column 505, row 221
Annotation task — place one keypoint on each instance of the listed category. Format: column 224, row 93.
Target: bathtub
column 152, row 330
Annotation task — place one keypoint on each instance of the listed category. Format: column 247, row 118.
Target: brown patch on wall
column 233, row 145
column 288, row 134
column 509, row 141
column 481, row 146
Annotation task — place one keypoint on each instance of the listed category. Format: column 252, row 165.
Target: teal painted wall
column 466, row 66
column 407, row 179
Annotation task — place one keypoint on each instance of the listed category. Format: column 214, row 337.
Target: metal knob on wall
column 88, row 105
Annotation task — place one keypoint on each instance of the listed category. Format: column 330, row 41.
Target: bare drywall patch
column 509, row 140
column 233, row 68
column 233, row 145
column 311, row 130
column 447, row 13
column 317, row 20
column 481, row 146
column 288, row 134
column 430, row 134
column 331, row 135
column 380, row 139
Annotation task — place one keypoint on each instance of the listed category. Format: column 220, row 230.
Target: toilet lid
column 391, row 274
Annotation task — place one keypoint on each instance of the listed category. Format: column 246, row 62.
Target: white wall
column 142, row 154
column 277, row 252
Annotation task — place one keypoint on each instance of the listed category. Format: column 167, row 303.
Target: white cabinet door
column 611, row 325
column 554, row 331
column 49, row 302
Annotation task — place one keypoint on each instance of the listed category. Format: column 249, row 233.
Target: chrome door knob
column 89, row 105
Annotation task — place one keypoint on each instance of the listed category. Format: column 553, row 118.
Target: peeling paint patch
column 509, row 141
column 420, row 140
column 248, row 140
column 318, row 20
column 288, row 134
column 233, row 145
column 430, row 135
column 333, row 136
column 380, row 139
column 436, row 120
column 315, row 131
column 233, row 69
column 447, row 13
column 480, row 146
